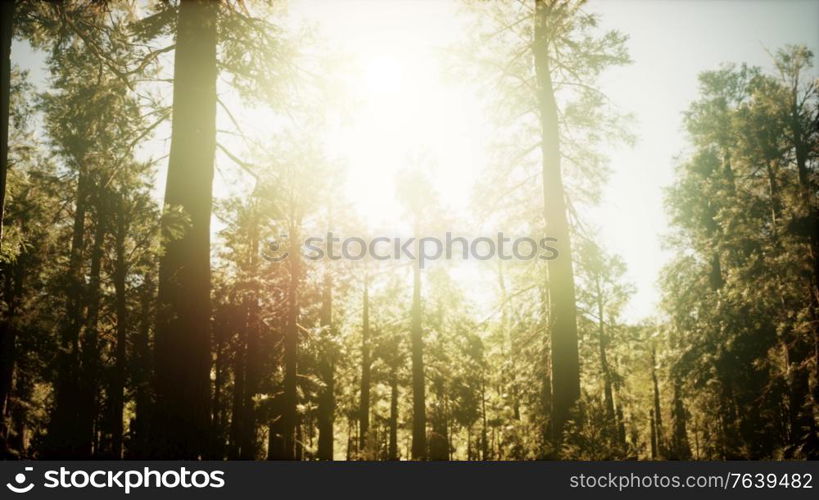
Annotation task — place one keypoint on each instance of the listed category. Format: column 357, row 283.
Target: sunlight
column 383, row 75
column 406, row 110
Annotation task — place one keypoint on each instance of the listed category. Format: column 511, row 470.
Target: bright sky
column 406, row 106
column 670, row 43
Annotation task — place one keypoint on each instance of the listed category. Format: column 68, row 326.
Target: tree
column 366, row 367
column 183, row 315
column 414, row 190
column 6, row 29
column 104, row 118
column 740, row 300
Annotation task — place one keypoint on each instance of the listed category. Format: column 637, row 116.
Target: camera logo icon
column 20, row 478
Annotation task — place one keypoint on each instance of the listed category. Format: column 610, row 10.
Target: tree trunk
column 364, row 405
column 484, row 437
column 562, row 307
column 90, row 367
column 182, row 344
column 64, row 439
column 653, row 424
column 291, row 345
column 7, row 335
column 221, row 336
column 6, row 32
column 12, row 284
column 393, row 446
column 680, row 449
column 121, row 306
column 658, row 419
column 239, row 363
column 604, row 363
column 327, row 400
column 139, row 428
column 252, row 326
column 419, row 419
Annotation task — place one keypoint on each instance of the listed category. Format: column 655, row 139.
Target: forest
column 162, row 170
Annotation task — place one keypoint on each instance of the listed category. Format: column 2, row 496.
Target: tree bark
column 562, row 307
column 364, row 403
column 90, row 362
column 252, row 354
column 121, row 306
column 12, row 285
column 7, row 334
column 142, row 364
column 680, row 449
column 64, row 438
column 182, row 346
column 326, row 409
column 604, row 362
column 239, row 364
column 419, row 418
column 653, row 425
column 392, row 452
column 6, row 35
column 658, row 419
column 291, row 345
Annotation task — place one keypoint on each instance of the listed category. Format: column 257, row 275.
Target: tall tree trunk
column 291, row 345
column 546, row 378
column 221, row 334
column 90, row 362
column 679, row 449
column 327, row 400
column 183, row 318
column 653, row 423
column 509, row 370
column 6, row 34
column 439, row 437
column 251, row 386
column 142, row 369
column 364, row 404
column 18, row 439
column 120, row 362
column 239, row 364
column 484, row 436
column 275, row 441
column 604, row 363
column 562, row 307
column 12, row 284
column 419, row 418
column 64, row 438
column 658, row 418
column 393, row 446
column 7, row 336
column 252, row 355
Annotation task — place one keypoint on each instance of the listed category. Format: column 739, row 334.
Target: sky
column 670, row 43
column 405, row 105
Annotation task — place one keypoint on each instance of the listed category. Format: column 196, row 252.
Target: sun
column 383, row 75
